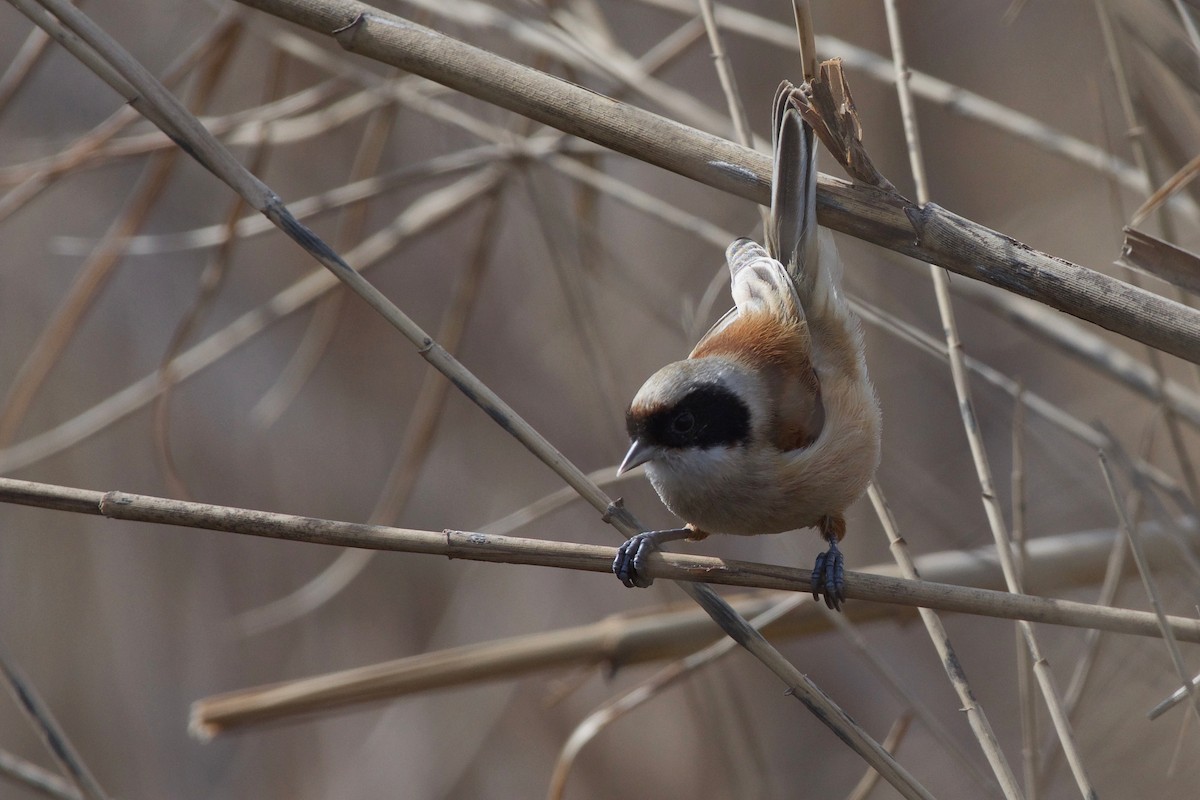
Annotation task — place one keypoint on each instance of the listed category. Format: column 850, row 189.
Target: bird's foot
column 828, row 577
column 632, row 554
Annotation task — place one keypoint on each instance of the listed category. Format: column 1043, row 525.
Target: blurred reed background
column 562, row 297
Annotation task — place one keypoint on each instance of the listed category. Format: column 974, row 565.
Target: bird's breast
column 738, row 490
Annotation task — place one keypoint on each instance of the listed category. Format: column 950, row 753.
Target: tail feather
column 793, row 237
column 792, row 227
column 798, row 274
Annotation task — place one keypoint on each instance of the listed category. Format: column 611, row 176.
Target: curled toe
column 829, row 578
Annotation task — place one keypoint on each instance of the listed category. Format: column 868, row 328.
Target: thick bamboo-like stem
column 929, row 232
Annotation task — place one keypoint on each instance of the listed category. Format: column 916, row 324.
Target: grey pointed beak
column 639, row 453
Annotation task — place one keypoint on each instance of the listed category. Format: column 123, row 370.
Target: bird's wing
column 760, row 285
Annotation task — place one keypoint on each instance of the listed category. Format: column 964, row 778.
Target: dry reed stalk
column 615, row 708
column 891, row 679
column 1087, row 347
column 1145, row 253
column 870, row 779
column 1133, row 536
column 955, row 99
column 1171, row 186
column 592, row 558
column 977, row 718
column 578, row 49
column 1025, row 677
column 962, row 389
column 35, row 778
column 23, row 61
column 98, row 269
column 428, row 212
column 29, row 701
column 623, row 640
column 737, row 110
column 1135, row 134
column 597, row 559
column 323, row 323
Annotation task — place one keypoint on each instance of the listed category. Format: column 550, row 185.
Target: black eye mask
column 708, row 416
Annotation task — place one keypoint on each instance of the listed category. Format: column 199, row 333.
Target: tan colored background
column 121, row 626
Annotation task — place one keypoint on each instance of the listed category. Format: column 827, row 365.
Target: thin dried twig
column 976, row 717
column 36, row 779
column 1114, row 572
column 1025, row 677
column 1055, row 415
column 324, row 320
column 1088, row 347
column 22, row 63
column 737, row 111
column 1176, row 183
column 580, row 49
column 414, row 448
column 427, row 212
column 211, row 279
column 958, row 371
column 1139, row 558
column 592, row 558
column 26, row 696
column 870, row 779
column 889, row 677
column 954, row 99
column 617, row 707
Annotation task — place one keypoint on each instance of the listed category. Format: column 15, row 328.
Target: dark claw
column 829, row 577
column 631, row 557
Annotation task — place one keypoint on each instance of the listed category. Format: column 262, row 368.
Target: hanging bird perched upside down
column 771, row 424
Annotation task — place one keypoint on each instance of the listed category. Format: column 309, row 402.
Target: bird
column 771, row 423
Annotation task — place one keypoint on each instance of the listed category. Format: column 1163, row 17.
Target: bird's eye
column 683, row 422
